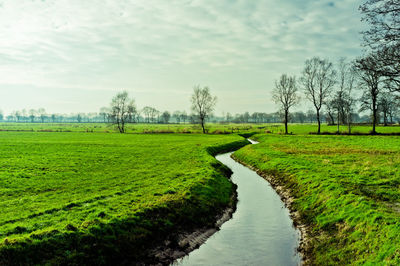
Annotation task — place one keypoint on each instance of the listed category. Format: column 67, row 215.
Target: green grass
column 213, row 128
column 131, row 128
column 98, row 198
column 347, row 188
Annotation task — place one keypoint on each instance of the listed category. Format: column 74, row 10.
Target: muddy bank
column 182, row 243
column 286, row 197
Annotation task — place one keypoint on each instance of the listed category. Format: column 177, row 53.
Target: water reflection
column 260, row 232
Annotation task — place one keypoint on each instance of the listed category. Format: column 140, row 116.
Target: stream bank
column 261, row 230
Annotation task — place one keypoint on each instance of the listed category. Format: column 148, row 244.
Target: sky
column 72, row 56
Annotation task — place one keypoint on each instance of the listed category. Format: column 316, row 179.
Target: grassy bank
column 105, row 198
column 346, row 188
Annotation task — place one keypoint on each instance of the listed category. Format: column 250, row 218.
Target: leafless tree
column 202, row 104
column 387, row 106
column 383, row 36
column 147, row 111
column 32, row 115
column 177, row 116
column 154, row 113
column 165, row 117
column 285, row 94
column 105, row 113
column 384, row 19
column 330, row 107
column 349, row 97
column 318, row 79
column 344, row 99
column 122, row 107
column 42, row 114
column 371, row 77
column 184, row 116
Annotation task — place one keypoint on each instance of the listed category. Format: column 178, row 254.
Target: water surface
column 260, row 231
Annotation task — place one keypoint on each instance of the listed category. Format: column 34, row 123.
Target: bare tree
column 388, row 107
column 165, row 117
column 285, row 94
column 318, row 79
column 330, row 107
column 147, row 111
column 154, row 113
column 383, row 36
column 177, row 116
column 349, row 98
column 122, row 108
column 343, row 100
column 105, row 113
column 42, row 114
column 384, row 19
column 32, row 115
column 202, row 104
column 370, row 77
column 184, row 116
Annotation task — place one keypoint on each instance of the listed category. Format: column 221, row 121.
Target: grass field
column 79, row 198
column 346, row 188
column 213, row 128
column 68, row 195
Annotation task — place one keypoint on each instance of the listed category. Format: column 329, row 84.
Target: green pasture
column 213, row 128
column 98, row 198
column 346, row 188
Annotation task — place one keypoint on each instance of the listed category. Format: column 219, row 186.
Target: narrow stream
column 260, row 231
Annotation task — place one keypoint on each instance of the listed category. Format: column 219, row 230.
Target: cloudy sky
column 73, row 55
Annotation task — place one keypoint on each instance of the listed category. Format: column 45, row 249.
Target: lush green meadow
column 142, row 128
column 213, row 128
column 82, row 193
column 346, row 188
column 98, row 198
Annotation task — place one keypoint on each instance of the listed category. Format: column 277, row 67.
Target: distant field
column 213, row 128
column 81, row 197
column 347, row 188
column 131, row 128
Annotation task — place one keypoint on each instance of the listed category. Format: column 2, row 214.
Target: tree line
column 368, row 83
column 340, row 94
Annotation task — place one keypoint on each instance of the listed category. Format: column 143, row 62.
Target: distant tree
column 228, row 117
column 330, row 107
column 370, row 79
column 165, row 117
column 177, row 116
column 202, row 104
column 156, row 115
column 184, row 116
column 42, row 114
column 285, row 95
column 79, row 118
column 122, row 108
column 147, row 110
column 246, row 117
column 137, row 115
column 318, row 79
column 105, row 114
column 32, row 115
column 347, row 81
column 388, row 106
column 10, row 118
column 300, row 117
column 311, row 116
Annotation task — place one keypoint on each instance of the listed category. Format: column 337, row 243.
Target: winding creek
column 260, row 232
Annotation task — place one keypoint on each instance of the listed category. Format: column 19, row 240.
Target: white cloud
column 165, row 46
